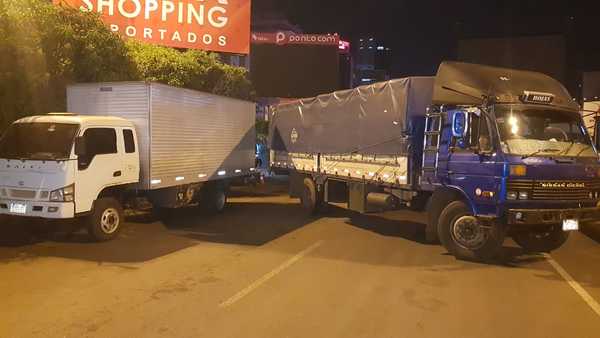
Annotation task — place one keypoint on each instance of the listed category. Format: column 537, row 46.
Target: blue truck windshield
column 537, row 131
column 38, row 141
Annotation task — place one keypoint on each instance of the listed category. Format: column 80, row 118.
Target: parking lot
column 265, row 269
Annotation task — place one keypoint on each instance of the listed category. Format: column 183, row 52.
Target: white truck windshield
column 529, row 131
column 38, row 141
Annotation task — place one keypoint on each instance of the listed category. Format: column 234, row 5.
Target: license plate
column 570, row 225
column 18, row 208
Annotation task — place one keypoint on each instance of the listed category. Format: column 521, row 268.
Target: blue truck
column 487, row 152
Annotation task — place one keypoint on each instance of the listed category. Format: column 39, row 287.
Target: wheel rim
column 468, row 233
column 110, row 220
column 221, row 200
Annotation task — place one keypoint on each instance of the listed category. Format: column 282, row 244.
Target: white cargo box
column 185, row 136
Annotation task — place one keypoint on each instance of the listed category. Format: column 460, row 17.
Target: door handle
column 117, row 174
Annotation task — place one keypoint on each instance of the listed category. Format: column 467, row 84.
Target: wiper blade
column 566, row 152
column 539, row 151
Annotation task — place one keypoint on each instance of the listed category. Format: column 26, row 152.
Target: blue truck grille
column 556, row 190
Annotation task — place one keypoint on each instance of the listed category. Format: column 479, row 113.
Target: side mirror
column 80, row 146
column 460, row 124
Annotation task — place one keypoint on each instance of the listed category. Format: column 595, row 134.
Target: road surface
column 264, row 269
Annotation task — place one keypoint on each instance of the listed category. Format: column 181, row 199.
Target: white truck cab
column 61, row 166
column 139, row 145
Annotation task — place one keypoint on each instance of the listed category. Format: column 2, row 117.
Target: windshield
column 38, row 141
column 541, row 131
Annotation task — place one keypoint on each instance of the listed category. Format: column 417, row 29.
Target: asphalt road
column 264, row 269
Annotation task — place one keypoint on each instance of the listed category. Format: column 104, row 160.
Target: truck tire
column 312, row 200
column 214, row 198
column 461, row 234
column 547, row 241
column 106, row 220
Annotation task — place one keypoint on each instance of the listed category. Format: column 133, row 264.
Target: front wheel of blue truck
column 546, row 240
column 465, row 237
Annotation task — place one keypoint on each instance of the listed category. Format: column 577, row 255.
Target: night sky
column 422, row 33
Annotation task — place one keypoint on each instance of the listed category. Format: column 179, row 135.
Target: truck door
column 102, row 166
column 471, row 162
column 131, row 160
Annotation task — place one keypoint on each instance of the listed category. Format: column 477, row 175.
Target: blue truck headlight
column 512, row 195
column 66, row 194
column 523, row 195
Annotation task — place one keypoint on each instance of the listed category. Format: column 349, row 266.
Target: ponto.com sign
column 216, row 25
column 289, row 38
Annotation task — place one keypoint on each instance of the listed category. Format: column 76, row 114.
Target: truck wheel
column 547, row 241
column 312, row 201
column 214, row 198
column 106, row 220
column 463, row 236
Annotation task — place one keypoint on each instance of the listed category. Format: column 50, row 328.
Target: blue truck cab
column 505, row 153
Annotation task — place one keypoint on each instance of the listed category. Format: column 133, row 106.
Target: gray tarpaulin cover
column 366, row 120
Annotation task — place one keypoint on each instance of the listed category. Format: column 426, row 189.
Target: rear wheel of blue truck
column 312, row 199
column 465, row 237
column 546, row 240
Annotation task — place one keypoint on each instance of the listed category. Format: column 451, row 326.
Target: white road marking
column 574, row 284
column 269, row 275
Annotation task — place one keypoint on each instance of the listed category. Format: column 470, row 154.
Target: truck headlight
column 523, row 195
column 66, row 194
column 512, row 195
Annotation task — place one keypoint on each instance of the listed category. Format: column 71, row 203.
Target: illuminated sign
column 536, row 97
column 215, row 25
column 290, row 38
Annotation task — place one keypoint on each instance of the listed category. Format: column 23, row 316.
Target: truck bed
column 369, row 133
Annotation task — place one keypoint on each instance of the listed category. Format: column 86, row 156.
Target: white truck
column 130, row 145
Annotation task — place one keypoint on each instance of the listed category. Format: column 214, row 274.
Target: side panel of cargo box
column 128, row 100
column 199, row 137
column 369, row 134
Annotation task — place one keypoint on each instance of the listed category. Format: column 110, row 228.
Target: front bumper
column 550, row 216
column 35, row 209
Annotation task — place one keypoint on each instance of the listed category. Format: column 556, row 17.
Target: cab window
column 99, row 141
column 129, row 141
column 478, row 136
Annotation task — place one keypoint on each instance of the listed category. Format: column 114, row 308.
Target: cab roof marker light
column 202, row 176
column 155, row 182
column 237, row 171
column 179, row 178
column 252, row 169
column 222, row 173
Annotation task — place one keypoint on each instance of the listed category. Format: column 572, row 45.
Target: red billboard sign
column 215, row 25
column 290, row 38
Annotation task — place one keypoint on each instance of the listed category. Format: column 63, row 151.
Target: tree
column 192, row 69
column 43, row 48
